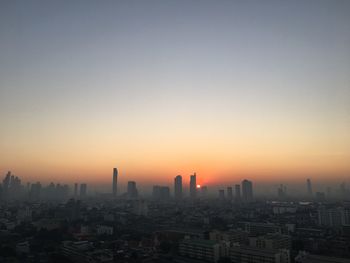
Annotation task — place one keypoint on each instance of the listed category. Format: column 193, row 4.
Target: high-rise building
column 193, row 186
column 178, row 187
column 229, row 193
column 115, row 182
column 309, row 187
column 132, row 190
column 247, row 190
column 238, row 192
column 83, row 190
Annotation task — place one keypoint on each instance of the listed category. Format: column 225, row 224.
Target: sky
column 227, row 89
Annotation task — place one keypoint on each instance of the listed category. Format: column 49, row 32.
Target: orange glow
column 198, row 186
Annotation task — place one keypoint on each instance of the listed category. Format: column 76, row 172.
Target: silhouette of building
column 229, row 193
column 132, row 190
column 83, row 190
column 193, row 186
column 309, row 187
column 178, row 187
column 247, row 190
column 238, row 192
column 115, row 182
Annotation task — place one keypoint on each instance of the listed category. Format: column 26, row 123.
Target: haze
column 158, row 88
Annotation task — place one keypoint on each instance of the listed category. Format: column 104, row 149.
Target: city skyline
column 232, row 90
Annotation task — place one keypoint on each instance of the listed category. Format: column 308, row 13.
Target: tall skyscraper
column 115, row 182
column 193, row 186
column 247, row 190
column 83, row 190
column 238, row 192
column 229, row 193
column 132, row 190
column 178, row 187
column 309, row 187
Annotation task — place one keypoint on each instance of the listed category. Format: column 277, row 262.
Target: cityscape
column 175, row 131
column 67, row 223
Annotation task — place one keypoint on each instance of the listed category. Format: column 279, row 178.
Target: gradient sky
column 229, row 89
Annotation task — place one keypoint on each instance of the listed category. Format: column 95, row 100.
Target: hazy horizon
column 230, row 90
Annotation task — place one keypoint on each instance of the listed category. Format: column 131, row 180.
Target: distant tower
column 229, row 193
column 193, row 186
column 238, row 192
column 83, row 190
column 115, row 182
column 132, row 190
column 178, row 187
column 309, row 187
column 247, row 190
column 75, row 190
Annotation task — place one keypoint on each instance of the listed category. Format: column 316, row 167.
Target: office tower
column 247, row 190
column 115, row 182
column 238, row 192
column 132, row 190
column 309, row 187
column 178, row 187
column 83, row 190
column 229, row 193
column 193, row 186
column 75, row 189
column 222, row 194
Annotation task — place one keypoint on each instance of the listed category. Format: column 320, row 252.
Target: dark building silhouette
column 309, row 187
column 178, row 187
column 193, row 186
column 132, row 192
column 115, row 182
column 247, row 190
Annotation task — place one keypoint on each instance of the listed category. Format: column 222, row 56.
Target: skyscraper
column 238, row 192
column 178, row 187
column 115, row 182
column 247, row 190
column 193, row 186
column 132, row 190
column 309, row 187
column 229, row 193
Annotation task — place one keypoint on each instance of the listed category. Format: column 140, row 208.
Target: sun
column 198, row 186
